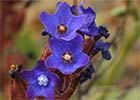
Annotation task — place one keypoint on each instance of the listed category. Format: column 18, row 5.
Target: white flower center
column 67, row 56
column 42, row 80
column 62, row 28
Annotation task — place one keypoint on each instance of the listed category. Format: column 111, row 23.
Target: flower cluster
column 67, row 29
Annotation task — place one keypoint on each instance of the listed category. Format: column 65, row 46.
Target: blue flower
column 89, row 26
column 87, row 73
column 40, row 82
column 104, row 48
column 63, row 24
column 102, row 32
column 67, row 56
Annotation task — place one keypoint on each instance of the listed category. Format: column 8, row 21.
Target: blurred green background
column 117, row 79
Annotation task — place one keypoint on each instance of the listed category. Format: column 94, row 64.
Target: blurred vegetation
column 117, row 79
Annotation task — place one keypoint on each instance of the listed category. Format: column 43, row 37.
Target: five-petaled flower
column 63, row 24
column 67, row 56
column 40, row 81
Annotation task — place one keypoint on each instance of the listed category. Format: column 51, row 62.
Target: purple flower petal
column 73, row 8
column 50, row 22
column 28, row 75
column 89, row 27
column 32, row 91
column 53, row 61
column 63, row 13
column 82, row 59
column 89, row 14
column 58, row 46
column 93, row 30
column 73, row 25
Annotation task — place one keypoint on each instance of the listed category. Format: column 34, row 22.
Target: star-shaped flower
column 40, row 82
column 67, row 56
column 63, row 24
